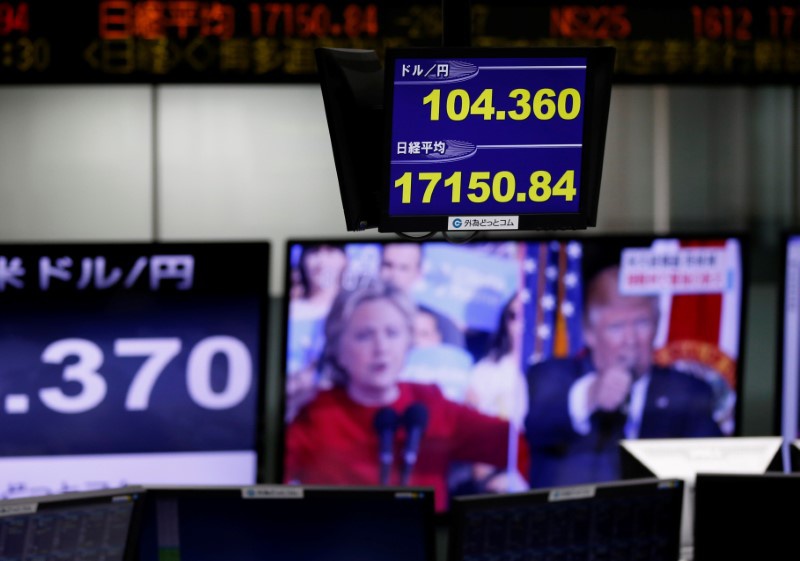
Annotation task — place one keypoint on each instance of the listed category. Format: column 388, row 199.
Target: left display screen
column 131, row 363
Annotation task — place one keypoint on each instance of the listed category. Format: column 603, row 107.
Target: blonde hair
column 341, row 313
column 603, row 290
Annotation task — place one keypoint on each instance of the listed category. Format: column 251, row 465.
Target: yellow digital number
column 501, row 187
column 497, row 186
column 573, row 95
column 404, row 181
column 458, row 105
column 454, row 181
column 546, row 104
column 565, row 187
column 477, row 181
column 543, row 105
column 483, row 105
column 433, row 99
column 432, row 177
column 540, row 190
column 523, row 98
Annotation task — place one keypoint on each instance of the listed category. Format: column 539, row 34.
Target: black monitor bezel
column 599, row 78
column 351, row 82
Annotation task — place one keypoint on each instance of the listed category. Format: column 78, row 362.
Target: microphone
column 385, row 423
column 415, row 419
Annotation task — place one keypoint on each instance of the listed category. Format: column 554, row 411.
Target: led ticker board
column 494, row 139
column 240, row 41
column 680, row 41
column 174, row 41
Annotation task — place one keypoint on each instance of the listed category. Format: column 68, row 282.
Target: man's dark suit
column 678, row 405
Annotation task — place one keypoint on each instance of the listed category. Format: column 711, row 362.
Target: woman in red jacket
column 336, row 438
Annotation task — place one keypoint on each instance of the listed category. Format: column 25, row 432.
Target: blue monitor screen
column 494, row 139
column 457, row 129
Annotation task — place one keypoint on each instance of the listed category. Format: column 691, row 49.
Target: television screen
column 787, row 394
column 745, row 516
column 80, row 525
column 297, row 523
column 494, row 139
column 637, row 519
column 504, row 365
column 130, row 363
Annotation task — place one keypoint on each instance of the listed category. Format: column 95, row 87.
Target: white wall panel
column 626, row 191
column 75, row 163
column 247, row 162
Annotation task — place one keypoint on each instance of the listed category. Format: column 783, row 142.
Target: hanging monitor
column 351, row 81
column 494, row 138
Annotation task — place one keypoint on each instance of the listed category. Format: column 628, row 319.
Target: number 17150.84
column 483, row 185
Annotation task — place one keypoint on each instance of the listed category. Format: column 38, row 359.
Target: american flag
column 552, row 292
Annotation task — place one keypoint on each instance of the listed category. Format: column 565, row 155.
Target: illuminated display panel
column 482, row 139
column 660, row 42
column 470, row 299
column 133, row 41
column 241, row 41
column 787, row 394
column 131, row 363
